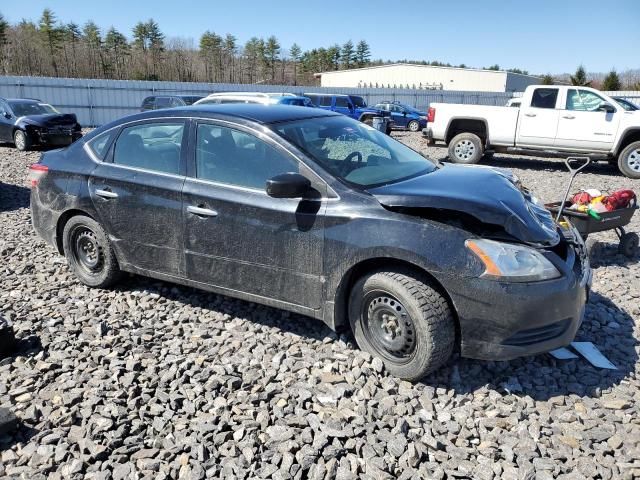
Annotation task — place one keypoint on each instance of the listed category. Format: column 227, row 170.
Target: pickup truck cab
column 556, row 119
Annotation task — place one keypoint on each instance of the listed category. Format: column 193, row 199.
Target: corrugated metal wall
column 96, row 102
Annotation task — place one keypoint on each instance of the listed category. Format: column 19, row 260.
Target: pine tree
column 4, row 27
column 363, row 53
column 230, row 49
column 295, row 52
column 580, row 78
column 117, row 47
column 334, row 54
column 347, row 56
column 271, row 54
column 51, row 36
column 547, row 80
column 611, row 82
column 93, row 39
column 210, row 51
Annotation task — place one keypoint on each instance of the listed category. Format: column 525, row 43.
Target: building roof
column 425, row 66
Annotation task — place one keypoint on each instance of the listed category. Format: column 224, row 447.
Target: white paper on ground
column 589, row 351
column 563, row 354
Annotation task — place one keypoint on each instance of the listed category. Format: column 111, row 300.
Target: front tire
column 402, row 320
column 89, row 253
column 629, row 160
column 413, row 126
column 466, row 148
column 21, row 140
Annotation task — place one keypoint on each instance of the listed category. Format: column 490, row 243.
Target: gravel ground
column 152, row 380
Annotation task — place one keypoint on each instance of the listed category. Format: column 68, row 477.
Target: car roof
column 23, row 100
column 247, row 111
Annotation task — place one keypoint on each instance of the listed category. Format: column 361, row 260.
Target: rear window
column 544, row 98
column 190, row 100
column 325, row 101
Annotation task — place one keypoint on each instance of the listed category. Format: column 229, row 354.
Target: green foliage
column 4, row 27
column 548, row 80
column 580, row 77
column 494, row 67
column 612, row 82
column 362, row 54
column 348, row 55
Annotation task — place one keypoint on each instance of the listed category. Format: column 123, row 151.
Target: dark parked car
column 157, row 102
column 26, row 122
column 316, row 213
column 405, row 116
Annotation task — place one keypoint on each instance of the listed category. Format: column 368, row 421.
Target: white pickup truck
column 554, row 119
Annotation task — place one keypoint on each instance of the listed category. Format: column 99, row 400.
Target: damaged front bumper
column 502, row 321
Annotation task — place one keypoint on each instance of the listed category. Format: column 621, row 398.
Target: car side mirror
column 606, row 107
column 6, row 115
column 288, row 185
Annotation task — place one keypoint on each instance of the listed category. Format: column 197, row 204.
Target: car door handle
column 529, row 114
column 106, row 193
column 569, row 117
column 201, row 211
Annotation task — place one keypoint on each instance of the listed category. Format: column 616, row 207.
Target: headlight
column 511, row 263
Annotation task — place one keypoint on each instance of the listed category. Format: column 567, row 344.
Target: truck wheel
column 403, row 321
column 89, row 253
column 413, row 126
column 629, row 160
column 21, row 140
column 465, row 148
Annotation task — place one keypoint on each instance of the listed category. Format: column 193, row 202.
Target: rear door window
column 325, row 101
column 151, row 146
column 544, row 98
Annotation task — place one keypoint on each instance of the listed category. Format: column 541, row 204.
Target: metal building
column 407, row 75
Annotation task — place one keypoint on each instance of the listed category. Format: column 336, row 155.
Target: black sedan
column 26, row 122
column 316, row 213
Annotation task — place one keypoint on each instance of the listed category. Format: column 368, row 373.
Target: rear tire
column 89, row 253
column 21, row 140
column 466, row 148
column 402, row 320
column 413, row 126
column 629, row 160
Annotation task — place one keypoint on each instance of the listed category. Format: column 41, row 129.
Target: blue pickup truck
column 350, row 105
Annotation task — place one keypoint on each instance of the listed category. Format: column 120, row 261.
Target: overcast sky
column 541, row 36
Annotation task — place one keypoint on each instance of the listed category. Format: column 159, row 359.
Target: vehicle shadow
column 13, row 197
column 546, row 164
column 229, row 306
column 606, row 325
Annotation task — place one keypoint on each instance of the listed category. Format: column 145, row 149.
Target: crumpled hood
column 50, row 119
column 491, row 195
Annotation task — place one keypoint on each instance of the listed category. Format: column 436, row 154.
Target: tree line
column 51, row 48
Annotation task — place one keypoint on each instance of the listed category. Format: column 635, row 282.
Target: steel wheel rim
column 389, row 327
column 464, row 149
column 86, row 250
column 633, row 160
column 414, row 126
column 20, row 141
